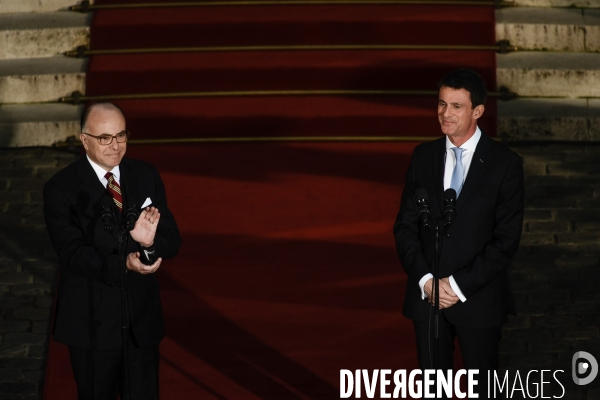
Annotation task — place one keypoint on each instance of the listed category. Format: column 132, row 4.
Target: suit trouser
column 99, row 373
column 479, row 348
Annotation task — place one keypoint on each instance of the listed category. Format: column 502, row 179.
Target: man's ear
column 83, row 141
column 478, row 111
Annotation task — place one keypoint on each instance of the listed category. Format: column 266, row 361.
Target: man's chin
column 447, row 130
column 113, row 162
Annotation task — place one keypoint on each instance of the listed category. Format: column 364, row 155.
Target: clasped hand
column 447, row 296
column 144, row 232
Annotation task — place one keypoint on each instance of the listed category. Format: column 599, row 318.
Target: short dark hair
column 469, row 80
column 106, row 105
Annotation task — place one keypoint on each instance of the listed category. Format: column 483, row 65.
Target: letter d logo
column 581, row 368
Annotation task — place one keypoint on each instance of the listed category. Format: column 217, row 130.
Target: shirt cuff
column 456, row 289
column 422, row 283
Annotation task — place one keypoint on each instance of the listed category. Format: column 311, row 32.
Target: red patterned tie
column 115, row 190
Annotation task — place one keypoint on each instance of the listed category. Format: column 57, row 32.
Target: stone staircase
column 33, row 36
column 557, row 76
column 558, row 3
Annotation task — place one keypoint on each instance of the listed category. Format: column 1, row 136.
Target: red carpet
column 287, row 70
column 288, row 271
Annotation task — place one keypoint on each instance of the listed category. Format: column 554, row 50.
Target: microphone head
column 450, row 194
column 132, row 212
column 449, row 207
column 107, row 213
column 421, row 194
column 107, row 203
column 131, row 216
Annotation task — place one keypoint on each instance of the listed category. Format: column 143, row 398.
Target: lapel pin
column 480, row 160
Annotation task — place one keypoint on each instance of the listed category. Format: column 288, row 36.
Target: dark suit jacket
column 482, row 241
column 88, row 312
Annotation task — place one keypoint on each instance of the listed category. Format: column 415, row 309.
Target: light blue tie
column 459, row 171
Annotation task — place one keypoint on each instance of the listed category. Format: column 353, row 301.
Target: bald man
column 88, row 310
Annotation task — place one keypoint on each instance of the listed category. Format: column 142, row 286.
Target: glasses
column 105, row 140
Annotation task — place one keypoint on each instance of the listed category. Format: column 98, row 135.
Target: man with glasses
column 78, row 201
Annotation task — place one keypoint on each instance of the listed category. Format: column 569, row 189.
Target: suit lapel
column 89, row 182
column 479, row 162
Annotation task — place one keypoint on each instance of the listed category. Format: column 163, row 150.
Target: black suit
column 88, row 311
column 482, row 241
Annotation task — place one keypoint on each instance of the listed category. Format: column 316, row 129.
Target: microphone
column 423, row 207
column 449, row 207
column 131, row 217
column 107, row 214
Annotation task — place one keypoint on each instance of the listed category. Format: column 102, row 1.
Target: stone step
column 38, row 124
column 541, row 74
column 40, row 79
column 18, row 6
column 549, row 119
column 28, row 35
column 559, row 3
column 558, row 29
column 291, row 25
column 34, row 6
column 277, row 70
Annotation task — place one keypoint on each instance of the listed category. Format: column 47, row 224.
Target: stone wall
column 28, row 270
column 556, row 274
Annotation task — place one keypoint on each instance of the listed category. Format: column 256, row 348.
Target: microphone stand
column 436, row 297
column 122, row 236
column 446, row 219
column 436, row 302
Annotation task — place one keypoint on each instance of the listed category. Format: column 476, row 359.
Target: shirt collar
column 469, row 145
column 101, row 172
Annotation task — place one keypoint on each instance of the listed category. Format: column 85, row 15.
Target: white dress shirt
column 450, row 161
column 101, row 172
